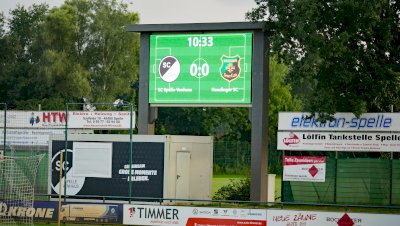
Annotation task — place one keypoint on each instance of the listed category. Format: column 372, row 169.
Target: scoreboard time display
column 200, row 69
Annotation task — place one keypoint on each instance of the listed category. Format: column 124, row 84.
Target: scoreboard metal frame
column 257, row 104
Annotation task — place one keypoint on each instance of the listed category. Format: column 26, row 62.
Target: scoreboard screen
column 200, row 69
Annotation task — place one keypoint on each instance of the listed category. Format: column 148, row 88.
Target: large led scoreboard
column 207, row 64
column 212, row 68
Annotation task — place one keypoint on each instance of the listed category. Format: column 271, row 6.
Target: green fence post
column 335, row 178
column 391, row 179
column 282, row 184
column 130, row 154
column 66, row 152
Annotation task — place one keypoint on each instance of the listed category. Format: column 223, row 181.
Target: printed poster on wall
column 192, row 216
column 147, row 171
column 304, row 168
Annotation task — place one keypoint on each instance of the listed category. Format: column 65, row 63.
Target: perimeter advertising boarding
column 24, row 128
column 70, row 211
column 76, row 119
column 102, row 168
column 192, row 216
column 277, row 217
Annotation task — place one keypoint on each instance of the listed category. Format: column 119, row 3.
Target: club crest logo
column 230, row 69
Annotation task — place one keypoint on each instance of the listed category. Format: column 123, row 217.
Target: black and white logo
column 169, row 69
column 70, row 183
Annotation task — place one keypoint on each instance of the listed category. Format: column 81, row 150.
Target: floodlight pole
column 259, row 107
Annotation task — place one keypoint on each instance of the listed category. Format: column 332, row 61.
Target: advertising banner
column 372, row 122
column 34, row 119
column 304, row 168
column 100, row 119
column 43, row 211
column 200, row 68
column 279, row 217
column 339, row 141
column 192, row 216
column 70, row 211
column 76, row 119
column 91, row 212
column 38, row 137
column 147, row 171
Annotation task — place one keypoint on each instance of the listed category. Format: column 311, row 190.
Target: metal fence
column 351, row 180
column 234, row 157
column 27, row 133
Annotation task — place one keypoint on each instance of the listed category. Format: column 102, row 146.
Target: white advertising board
column 38, row 137
column 372, row 122
column 34, row 119
column 76, row 119
column 100, row 119
column 277, row 217
column 92, row 159
column 192, row 216
column 304, row 168
column 331, row 141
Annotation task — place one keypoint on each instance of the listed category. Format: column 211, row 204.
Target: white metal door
column 182, row 174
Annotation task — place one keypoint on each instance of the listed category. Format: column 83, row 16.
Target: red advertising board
column 304, row 168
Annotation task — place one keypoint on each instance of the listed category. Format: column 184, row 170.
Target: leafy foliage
column 280, row 97
column 79, row 50
column 238, row 189
column 343, row 55
column 223, row 123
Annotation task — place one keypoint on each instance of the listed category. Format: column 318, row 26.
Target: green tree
column 79, row 50
column 16, row 80
column 222, row 123
column 280, row 97
column 111, row 54
column 60, row 73
column 86, row 53
column 343, row 55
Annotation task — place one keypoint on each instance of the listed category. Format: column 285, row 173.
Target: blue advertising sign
column 70, row 211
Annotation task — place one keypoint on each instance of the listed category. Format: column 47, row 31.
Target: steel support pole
column 259, row 119
column 144, row 127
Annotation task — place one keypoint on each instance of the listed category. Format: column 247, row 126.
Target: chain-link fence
column 27, row 133
column 351, row 179
column 234, row 157
column 360, row 178
column 21, row 136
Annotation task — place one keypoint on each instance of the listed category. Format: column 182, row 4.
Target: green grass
column 222, row 180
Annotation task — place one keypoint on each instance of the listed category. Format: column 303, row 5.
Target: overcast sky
column 169, row 11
